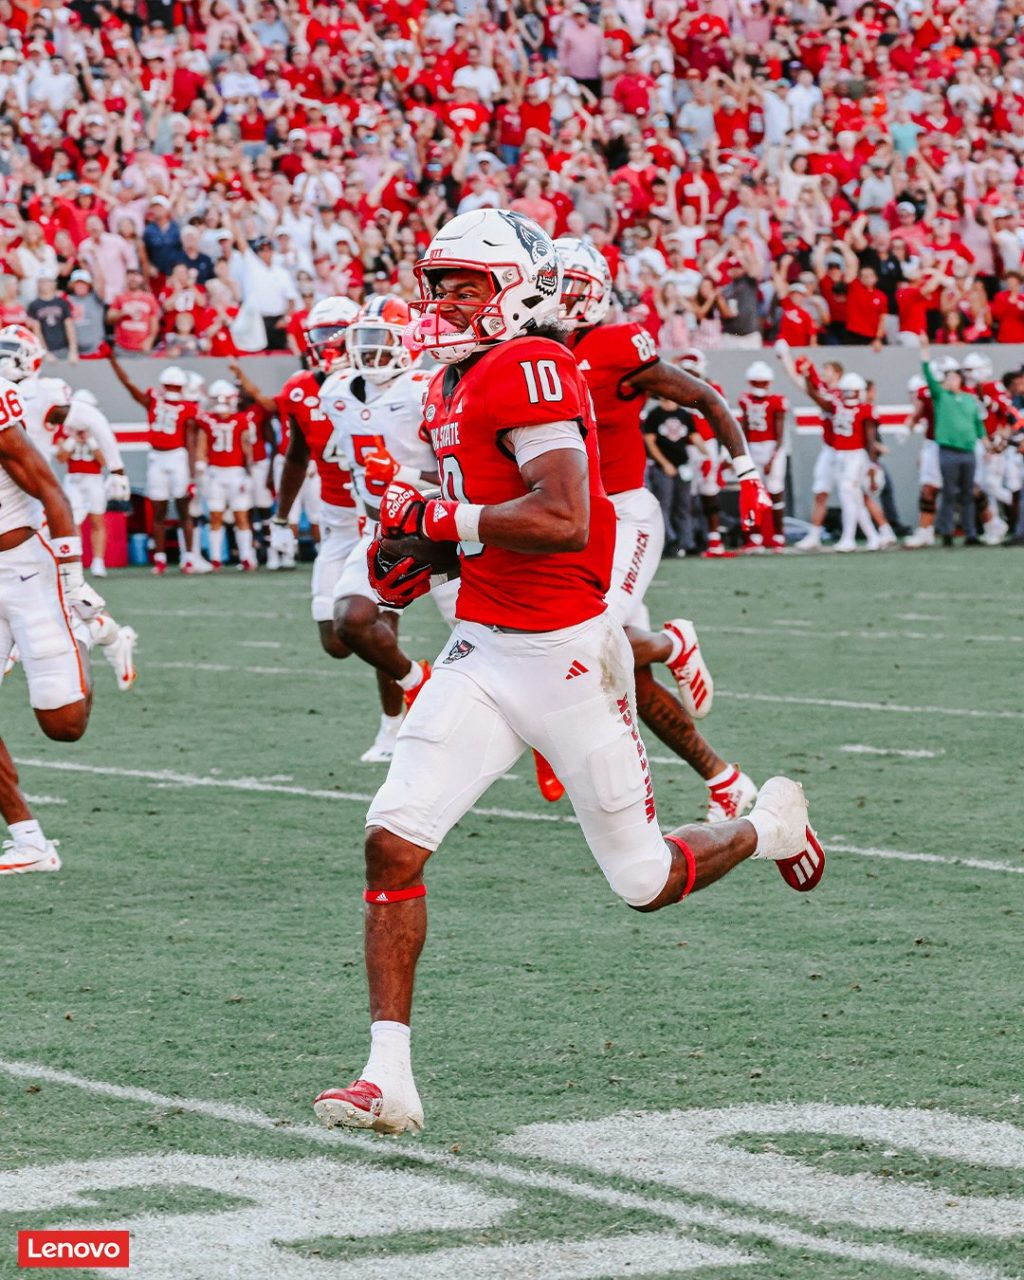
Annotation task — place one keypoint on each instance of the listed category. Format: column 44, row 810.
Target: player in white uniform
column 47, row 405
column 87, row 450
column 376, row 409
column 44, row 602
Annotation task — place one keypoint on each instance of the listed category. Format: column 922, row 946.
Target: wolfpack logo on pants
column 459, row 649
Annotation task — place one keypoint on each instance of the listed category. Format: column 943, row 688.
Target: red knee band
column 691, row 864
column 384, row 897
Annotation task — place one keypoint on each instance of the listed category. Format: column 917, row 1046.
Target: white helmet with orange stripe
column 374, row 341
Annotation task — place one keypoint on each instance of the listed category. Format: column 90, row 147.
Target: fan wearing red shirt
column 223, row 462
column 866, row 308
column 622, row 369
column 1008, row 309
column 797, row 326
column 534, row 660
column 762, row 414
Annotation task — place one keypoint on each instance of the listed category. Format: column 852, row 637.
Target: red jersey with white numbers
column 999, row 410
column 225, row 436
column 762, row 417
column 298, row 403
column 924, row 398
column 608, row 355
column 168, row 421
column 525, row 382
column 848, row 424
column 701, row 424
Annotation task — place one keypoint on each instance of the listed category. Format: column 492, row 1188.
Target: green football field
column 757, row 1085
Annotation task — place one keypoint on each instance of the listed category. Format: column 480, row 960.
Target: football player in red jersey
column 169, row 466
column 621, row 366
column 224, row 461
column 1001, row 418
column 763, row 415
column 535, row 659
column 310, row 436
column 922, row 417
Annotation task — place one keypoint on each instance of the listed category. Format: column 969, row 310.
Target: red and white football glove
column 755, row 505
column 405, row 513
column 397, row 583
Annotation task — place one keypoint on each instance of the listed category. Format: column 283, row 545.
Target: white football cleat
column 197, row 565
column 995, row 530
column 783, row 836
column 921, row 537
column 810, row 541
column 731, row 798
column 383, row 746
column 843, row 546
column 120, row 653
column 886, row 539
column 17, row 859
column 98, row 569
column 364, row 1105
column 690, row 671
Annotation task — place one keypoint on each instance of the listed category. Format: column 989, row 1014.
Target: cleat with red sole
column 547, row 780
column 363, row 1106
column 410, row 695
column 689, row 670
column 732, row 798
column 804, row 871
column 717, row 552
column 785, row 837
column 159, row 568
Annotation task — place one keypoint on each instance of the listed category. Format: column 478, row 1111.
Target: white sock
column 197, row 543
column 390, row 724
column 160, row 557
column 758, row 822
column 714, row 538
column 97, row 563
column 886, row 530
column 29, row 832
column 412, row 679
column 390, row 1044
column 244, row 539
column 677, row 647
column 725, row 776
column 217, row 545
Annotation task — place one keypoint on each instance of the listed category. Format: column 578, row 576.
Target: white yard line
column 862, row 749
column 862, row 633
column 847, row 704
column 677, row 1211
column 171, row 778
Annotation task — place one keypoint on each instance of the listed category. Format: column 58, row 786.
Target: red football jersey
column 225, row 437
column 849, row 425
column 525, row 382
column 996, row 403
column 83, row 459
column 762, row 417
column 607, row 355
column 168, row 420
column 258, row 416
column 298, row 404
column 924, row 398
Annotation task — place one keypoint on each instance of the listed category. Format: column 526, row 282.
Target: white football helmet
column 977, row 368
column 173, row 381
column 84, row 396
column 325, row 327
column 21, row 352
column 942, row 365
column 694, row 361
column 586, row 282
column 851, row 388
column 916, row 384
column 195, row 387
column 525, row 275
column 223, row 397
column 375, row 343
column 760, row 376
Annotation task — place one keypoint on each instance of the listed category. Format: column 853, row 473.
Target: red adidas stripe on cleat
column 804, row 871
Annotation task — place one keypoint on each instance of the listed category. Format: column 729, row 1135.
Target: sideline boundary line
column 168, row 778
column 677, row 1211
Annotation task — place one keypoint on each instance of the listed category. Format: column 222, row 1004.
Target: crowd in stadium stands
column 189, row 178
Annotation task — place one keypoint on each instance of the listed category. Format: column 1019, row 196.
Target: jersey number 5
column 542, row 381
column 454, row 490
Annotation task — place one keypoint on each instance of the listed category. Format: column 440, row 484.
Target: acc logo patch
column 296, row 394
column 431, row 412
column 459, row 649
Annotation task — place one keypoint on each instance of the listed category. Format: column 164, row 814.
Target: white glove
column 118, row 489
column 79, row 596
column 282, row 540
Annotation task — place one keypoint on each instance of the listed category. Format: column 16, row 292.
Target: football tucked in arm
column 443, row 557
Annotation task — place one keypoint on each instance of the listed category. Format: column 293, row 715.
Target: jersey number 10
column 542, row 381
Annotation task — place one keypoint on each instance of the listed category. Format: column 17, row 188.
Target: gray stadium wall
column 889, row 369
